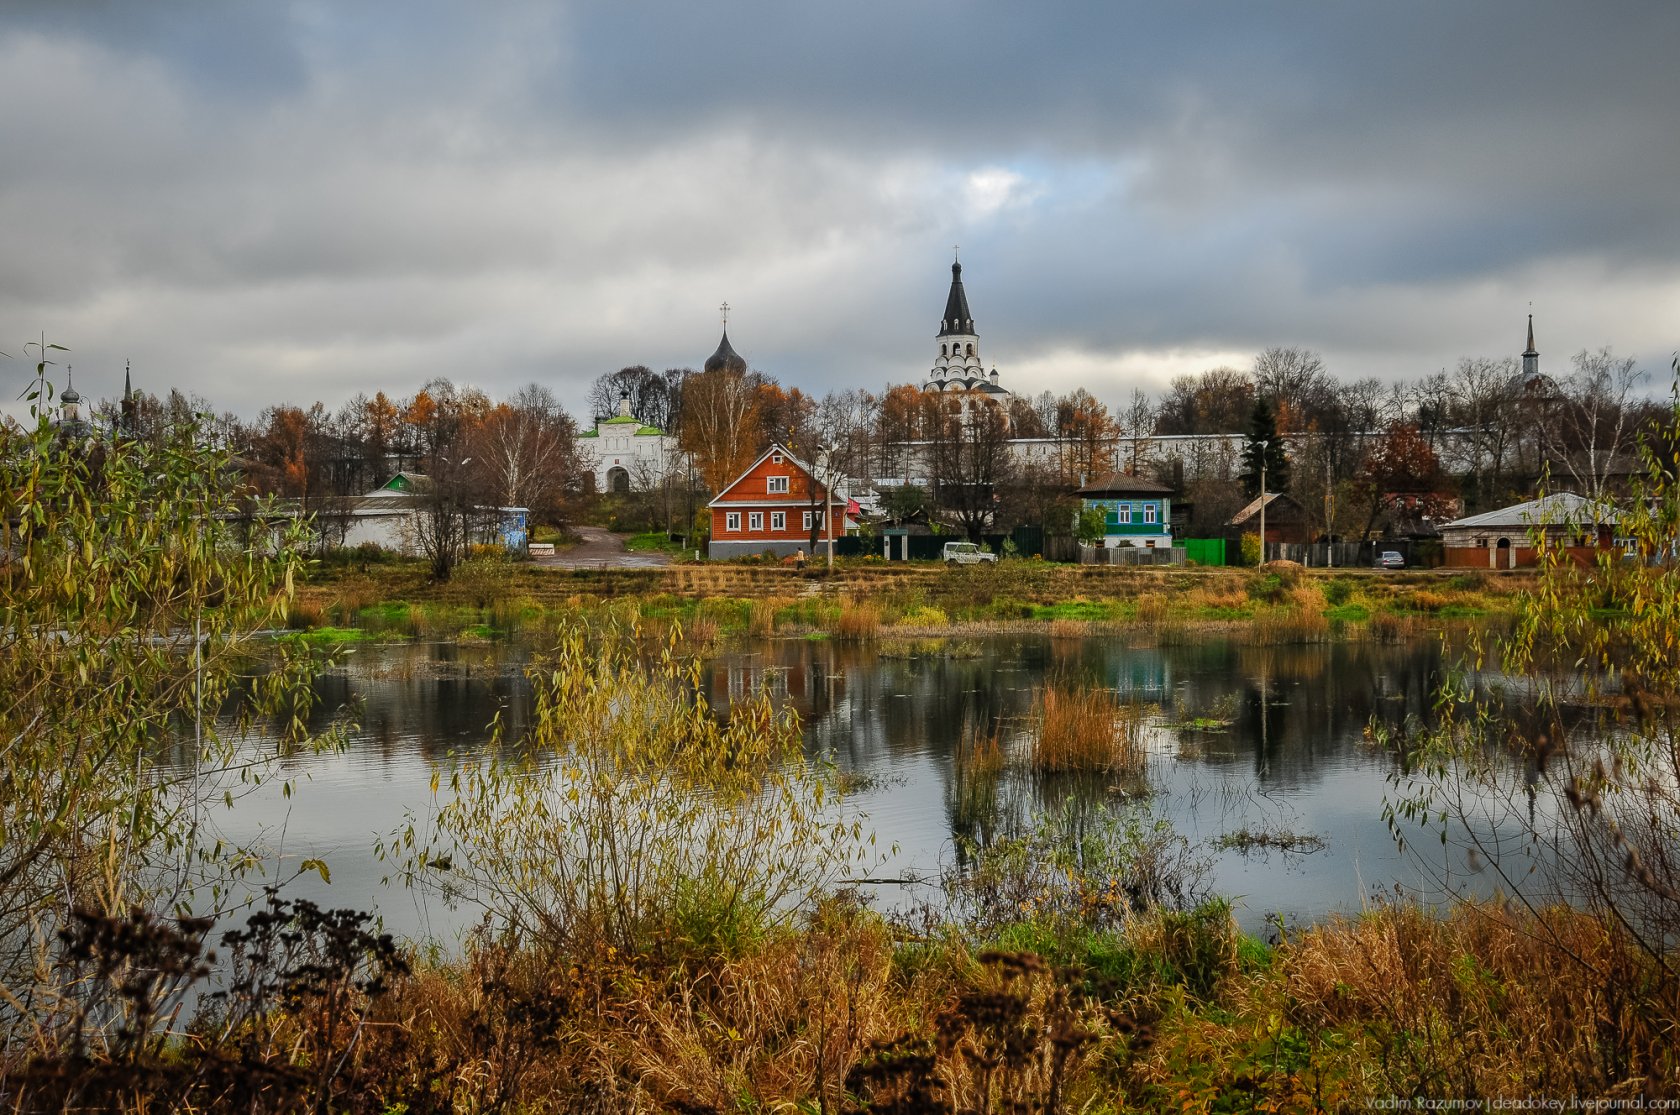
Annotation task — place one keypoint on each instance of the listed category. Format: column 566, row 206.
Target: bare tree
column 1135, row 422
column 1483, row 394
column 1594, row 419
column 1293, row 381
column 653, row 396
column 525, row 451
column 969, row 455
column 1218, row 401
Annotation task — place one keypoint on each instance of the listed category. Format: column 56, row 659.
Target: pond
column 1241, row 739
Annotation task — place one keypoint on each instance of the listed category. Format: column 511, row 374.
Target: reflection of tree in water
column 437, row 698
column 1300, row 705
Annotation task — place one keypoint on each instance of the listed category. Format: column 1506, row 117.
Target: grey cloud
column 330, row 197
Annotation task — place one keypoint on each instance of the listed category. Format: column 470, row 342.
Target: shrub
column 1337, row 590
column 1250, row 549
column 630, row 815
column 485, row 577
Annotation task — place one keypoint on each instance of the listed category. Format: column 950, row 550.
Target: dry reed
column 761, row 618
column 1152, row 608
column 1080, row 729
column 1069, row 629
column 860, row 620
column 1285, row 626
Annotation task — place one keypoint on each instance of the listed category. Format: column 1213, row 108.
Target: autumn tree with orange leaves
column 722, row 423
column 1401, row 474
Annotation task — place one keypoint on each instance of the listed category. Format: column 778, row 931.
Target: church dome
column 726, row 358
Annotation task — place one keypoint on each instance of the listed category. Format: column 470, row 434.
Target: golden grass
column 1289, row 625
column 1505, row 1002
column 761, row 618
column 304, row 615
column 859, row 620
column 1082, row 729
column 1069, row 628
column 979, row 753
column 1153, row 608
column 1224, row 593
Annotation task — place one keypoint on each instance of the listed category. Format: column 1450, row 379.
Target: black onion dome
column 725, row 358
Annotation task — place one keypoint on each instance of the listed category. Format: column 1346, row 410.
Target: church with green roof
column 622, row 454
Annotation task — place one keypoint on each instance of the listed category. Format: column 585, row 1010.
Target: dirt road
column 601, row 549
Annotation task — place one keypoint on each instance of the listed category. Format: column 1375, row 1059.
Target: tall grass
column 860, row 620
column 1081, row 729
column 1153, row 608
column 761, row 619
column 1069, row 628
column 1285, row 626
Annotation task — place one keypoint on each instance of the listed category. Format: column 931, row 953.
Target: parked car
column 965, row 553
column 1391, row 559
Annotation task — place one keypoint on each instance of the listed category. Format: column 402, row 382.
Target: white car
column 965, row 553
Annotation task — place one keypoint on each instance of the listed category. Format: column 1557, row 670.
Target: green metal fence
column 1205, row 551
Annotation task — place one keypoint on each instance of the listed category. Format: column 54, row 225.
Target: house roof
column 404, row 483
column 775, row 447
column 1557, row 508
column 1121, row 483
column 1252, row 508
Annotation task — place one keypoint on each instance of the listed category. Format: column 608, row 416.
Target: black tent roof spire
column 958, row 321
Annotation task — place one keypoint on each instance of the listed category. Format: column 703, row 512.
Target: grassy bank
column 866, row 599
column 847, row 1012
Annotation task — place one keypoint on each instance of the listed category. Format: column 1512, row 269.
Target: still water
column 1292, row 755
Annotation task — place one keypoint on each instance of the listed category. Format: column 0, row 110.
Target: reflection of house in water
column 1142, row 675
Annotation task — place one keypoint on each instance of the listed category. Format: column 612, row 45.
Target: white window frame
column 732, row 521
column 755, row 520
column 776, row 485
column 778, row 520
column 1150, row 512
column 775, row 458
column 809, row 515
column 1122, row 513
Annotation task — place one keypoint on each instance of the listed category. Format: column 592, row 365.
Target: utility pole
column 827, row 454
column 1329, row 516
column 1265, row 448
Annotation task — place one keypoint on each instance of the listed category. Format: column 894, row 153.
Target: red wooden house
column 772, row 507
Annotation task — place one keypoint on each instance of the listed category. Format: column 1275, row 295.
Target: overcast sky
column 283, row 202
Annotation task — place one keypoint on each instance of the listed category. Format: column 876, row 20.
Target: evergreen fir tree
column 1263, row 442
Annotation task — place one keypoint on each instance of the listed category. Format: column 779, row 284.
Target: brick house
column 771, row 506
column 1505, row 539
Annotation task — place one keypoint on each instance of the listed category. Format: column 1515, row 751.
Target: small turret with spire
column 1530, row 357
column 70, row 422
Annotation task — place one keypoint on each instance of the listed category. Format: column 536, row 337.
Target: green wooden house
column 1136, row 512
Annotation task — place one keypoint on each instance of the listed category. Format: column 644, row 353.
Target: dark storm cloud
column 290, row 200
